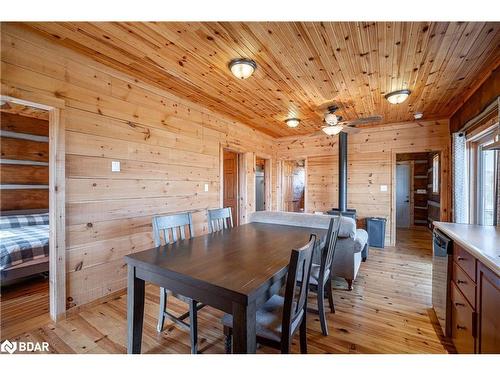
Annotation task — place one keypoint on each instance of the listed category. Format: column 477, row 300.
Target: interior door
column 403, row 195
column 230, row 179
column 288, row 186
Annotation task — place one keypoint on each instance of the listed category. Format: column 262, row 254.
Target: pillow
column 16, row 221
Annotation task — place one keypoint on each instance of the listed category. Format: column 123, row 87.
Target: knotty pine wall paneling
column 168, row 149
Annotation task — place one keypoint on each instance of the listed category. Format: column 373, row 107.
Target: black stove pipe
column 343, row 172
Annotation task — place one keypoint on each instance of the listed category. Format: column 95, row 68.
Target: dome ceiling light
column 242, row 68
column 397, row 97
column 292, row 122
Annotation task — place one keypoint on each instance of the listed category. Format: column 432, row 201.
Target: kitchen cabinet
column 475, row 304
column 488, row 310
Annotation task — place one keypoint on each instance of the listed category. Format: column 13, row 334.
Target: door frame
column 281, row 190
column 57, row 213
column 444, row 183
column 268, row 191
column 241, row 183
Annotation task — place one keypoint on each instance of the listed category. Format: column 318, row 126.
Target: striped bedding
column 23, row 238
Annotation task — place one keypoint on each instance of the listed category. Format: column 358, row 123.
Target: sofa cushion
column 360, row 240
column 347, row 226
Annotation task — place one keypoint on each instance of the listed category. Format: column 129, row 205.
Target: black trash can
column 375, row 226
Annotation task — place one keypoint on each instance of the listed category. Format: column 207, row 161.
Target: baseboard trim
column 108, row 297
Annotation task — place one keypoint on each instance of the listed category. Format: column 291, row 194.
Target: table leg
column 244, row 339
column 135, row 311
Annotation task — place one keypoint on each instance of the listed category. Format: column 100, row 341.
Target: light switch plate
column 206, row 188
column 383, row 187
column 115, row 166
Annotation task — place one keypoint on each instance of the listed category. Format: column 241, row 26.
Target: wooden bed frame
column 29, row 268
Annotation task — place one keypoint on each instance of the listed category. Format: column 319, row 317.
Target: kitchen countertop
column 483, row 242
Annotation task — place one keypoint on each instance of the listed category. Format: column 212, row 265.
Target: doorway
column 32, row 186
column 294, row 183
column 24, row 210
column 260, row 184
column 230, row 180
column 417, row 192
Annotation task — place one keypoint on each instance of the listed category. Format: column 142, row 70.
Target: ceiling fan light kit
column 398, row 97
column 242, row 68
column 292, row 122
column 332, row 129
column 331, row 118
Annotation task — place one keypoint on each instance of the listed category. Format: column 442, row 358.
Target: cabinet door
column 462, row 322
column 488, row 307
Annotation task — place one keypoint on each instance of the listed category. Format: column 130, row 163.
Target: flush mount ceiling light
column 242, row 68
column 397, row 97
column 332, row 129
column 292, row 122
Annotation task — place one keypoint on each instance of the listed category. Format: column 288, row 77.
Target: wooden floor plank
column 389, row 311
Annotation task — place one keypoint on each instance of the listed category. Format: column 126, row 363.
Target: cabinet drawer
column 462, row 322
column 466, row 261
column 465, row 284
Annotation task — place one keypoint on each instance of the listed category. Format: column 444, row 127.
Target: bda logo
column 9, row 347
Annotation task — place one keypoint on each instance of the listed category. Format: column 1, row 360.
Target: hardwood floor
column 387, row 312
column 24, row 306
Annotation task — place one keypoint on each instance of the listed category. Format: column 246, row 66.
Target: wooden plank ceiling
column 300, row 65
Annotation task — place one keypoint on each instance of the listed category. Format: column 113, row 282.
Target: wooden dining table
column 235, row 270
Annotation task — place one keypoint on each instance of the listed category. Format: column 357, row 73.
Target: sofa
column 352, row 243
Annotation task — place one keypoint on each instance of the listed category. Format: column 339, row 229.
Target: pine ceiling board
column 301, row 65
column 473, row 76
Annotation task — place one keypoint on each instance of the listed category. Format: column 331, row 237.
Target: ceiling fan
column 334, row 123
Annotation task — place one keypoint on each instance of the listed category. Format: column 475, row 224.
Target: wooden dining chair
column 320, row 280
column 219, row 219
column 168, row 230
column 280, row 317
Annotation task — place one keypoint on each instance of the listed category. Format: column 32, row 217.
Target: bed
column 24, row 245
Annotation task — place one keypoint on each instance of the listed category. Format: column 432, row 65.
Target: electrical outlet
column 206, row 188
column 115, row 166
column 383, row 187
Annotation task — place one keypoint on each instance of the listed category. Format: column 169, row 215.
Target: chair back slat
column 329, row 249
column 219, row 219
column 170, row 225
column 297, row 285
column 182, row 231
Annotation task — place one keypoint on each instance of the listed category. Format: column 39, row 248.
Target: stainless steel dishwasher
column 442, row 259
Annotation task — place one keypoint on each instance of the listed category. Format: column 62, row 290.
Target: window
column 486, row 185
column 483, row 173
column 435, row 174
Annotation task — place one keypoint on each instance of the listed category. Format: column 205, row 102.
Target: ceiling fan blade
column 350, row 130
column 364, row 120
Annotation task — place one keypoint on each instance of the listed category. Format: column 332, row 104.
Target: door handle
column 407, row 201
